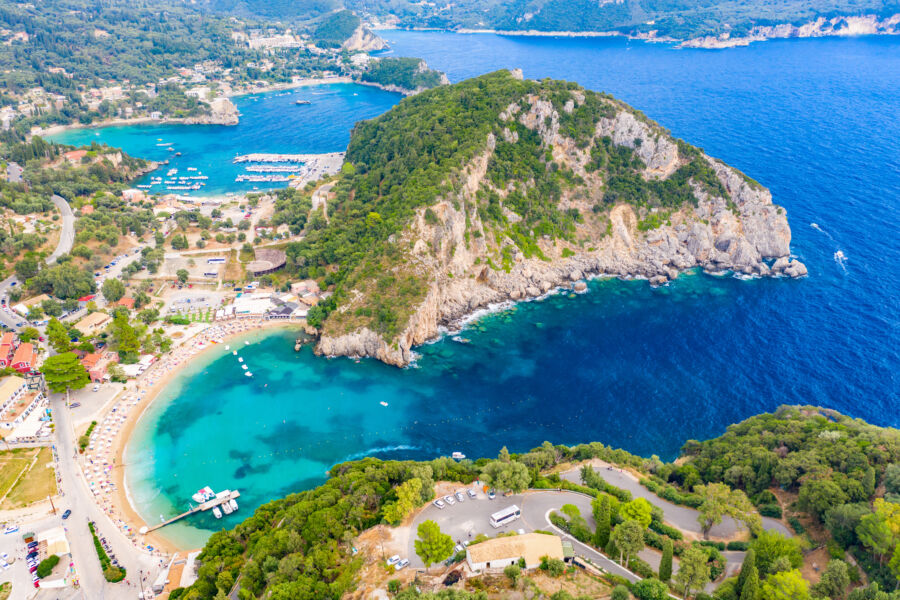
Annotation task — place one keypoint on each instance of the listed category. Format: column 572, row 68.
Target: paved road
column 682, row 517
column 66, row 240
column 67, row 234
column 79, row 499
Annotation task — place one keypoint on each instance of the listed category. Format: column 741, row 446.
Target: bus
column 211, row 274
column 505, row 516
column 215, row 261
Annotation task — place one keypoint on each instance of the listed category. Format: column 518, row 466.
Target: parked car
column 439, row 503
column 393, row 560
column 458, row 548
column 459, row 496
column 402, row 564
column 66, row 514
column 449, row 500
column 471, row 493
column 97, row 387
column 491, row 495
column 75, row 405
column 11, row 529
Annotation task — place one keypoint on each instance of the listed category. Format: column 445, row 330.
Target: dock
column 208, row 505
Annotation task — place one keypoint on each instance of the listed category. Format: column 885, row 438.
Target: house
column 87, row 209
column 24, row 358
column 499, row 553
column 82, row 302
column 7, row 345
column 93, row 323
column 12, row 388
column 97, row 365
column 126, row 302
column 74, row 156
column 133, row 195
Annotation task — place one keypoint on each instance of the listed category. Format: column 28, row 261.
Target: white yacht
column 217, row 513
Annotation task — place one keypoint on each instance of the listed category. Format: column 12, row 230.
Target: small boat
column 383, row 403
column 228, row 347
column 226, row 508
column 248, row 374
column 178, row 154
column 217, row 513
column 458, row 455
column 840, row 256
column 302, row 102
column 240, row 359
column 244, row 367
column 234, row 352
column 162, row 519
column 233, row 503
column 246, row 343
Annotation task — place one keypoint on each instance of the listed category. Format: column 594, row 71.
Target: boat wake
column 839, row 256
column 379, row 450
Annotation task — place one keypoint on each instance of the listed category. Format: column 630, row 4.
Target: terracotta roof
column 24, row 353
column 530, row 546
column 75, row 154
column 126, row 302
column 7, row 339
column 87, row 209
column 91, row 360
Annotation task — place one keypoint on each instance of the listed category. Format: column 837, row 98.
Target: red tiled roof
column 126, row 302
column 91, row 360
column 87, row 298
column 7, row 339
column 24, row 354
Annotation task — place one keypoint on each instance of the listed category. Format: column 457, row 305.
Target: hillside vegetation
column 477, row 180
column 300, row 547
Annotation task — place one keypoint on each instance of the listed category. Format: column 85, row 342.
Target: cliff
column 363, row 40
column 821, row 27
column 222, row 111
column 542, row 185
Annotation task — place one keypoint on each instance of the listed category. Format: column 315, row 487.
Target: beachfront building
column 97, row 365
column 93, row 323
column 12, row 389
column 501, row 552
column 24, row 358
column 17, row 402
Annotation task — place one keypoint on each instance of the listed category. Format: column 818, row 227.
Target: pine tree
column 665, row 564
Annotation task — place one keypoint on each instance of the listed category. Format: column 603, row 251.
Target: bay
column 816, row 121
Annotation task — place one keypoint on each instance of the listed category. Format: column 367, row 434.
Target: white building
column 501, row 552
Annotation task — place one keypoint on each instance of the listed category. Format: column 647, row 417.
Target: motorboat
column 458, row 455
column 217, row 513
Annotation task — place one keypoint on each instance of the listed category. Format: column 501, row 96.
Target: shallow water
column 645, row 369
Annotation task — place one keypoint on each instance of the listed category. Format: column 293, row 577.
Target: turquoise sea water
column 817, row 121
column 269, row 123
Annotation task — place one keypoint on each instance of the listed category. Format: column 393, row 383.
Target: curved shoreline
column 187, row 352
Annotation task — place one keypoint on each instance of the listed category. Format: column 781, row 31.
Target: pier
column 208, row 505
column 285, row 158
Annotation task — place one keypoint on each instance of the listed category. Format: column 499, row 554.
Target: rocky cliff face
column 363, row 40
column 222, row 112
column 452, row 247
column 835, row 26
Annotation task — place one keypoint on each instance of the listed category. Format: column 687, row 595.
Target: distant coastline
column 841, row 26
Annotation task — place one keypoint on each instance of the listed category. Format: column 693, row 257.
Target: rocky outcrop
column 222, row 111
column 741, row 231
column 821, row 27
column 363, row 40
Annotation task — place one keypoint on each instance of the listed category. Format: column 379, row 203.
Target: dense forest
column 335, row 28
column 300, row 547
column 406, row 73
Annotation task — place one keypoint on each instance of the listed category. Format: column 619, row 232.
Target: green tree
column 787, row 585
column 125, row 338
column 749, row 561
column 816, row 496
column 750, row 588
column 113, row 290
column 409, row 494
column 835, row 581
column 720, row 500
column 511, row 476
column 182, row 275
column 29, row 334
column 629, row 539
column 26, row 268
column 600, row 508
column 650, row 589
column 64, row 372
column 432, row 544
column 58, row 336
column 665, row 563
column 843, row 520
column 693, row 570
column 637, row 510
column 52, row 308
column 35, row 313
column 875, row 533
column 620, row 592
column 770, row 545
column 513, row 573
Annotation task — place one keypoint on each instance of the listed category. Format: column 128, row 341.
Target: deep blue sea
column 817, row 121
column 270, row 123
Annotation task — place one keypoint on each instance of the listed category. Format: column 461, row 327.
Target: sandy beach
column 103, row 461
